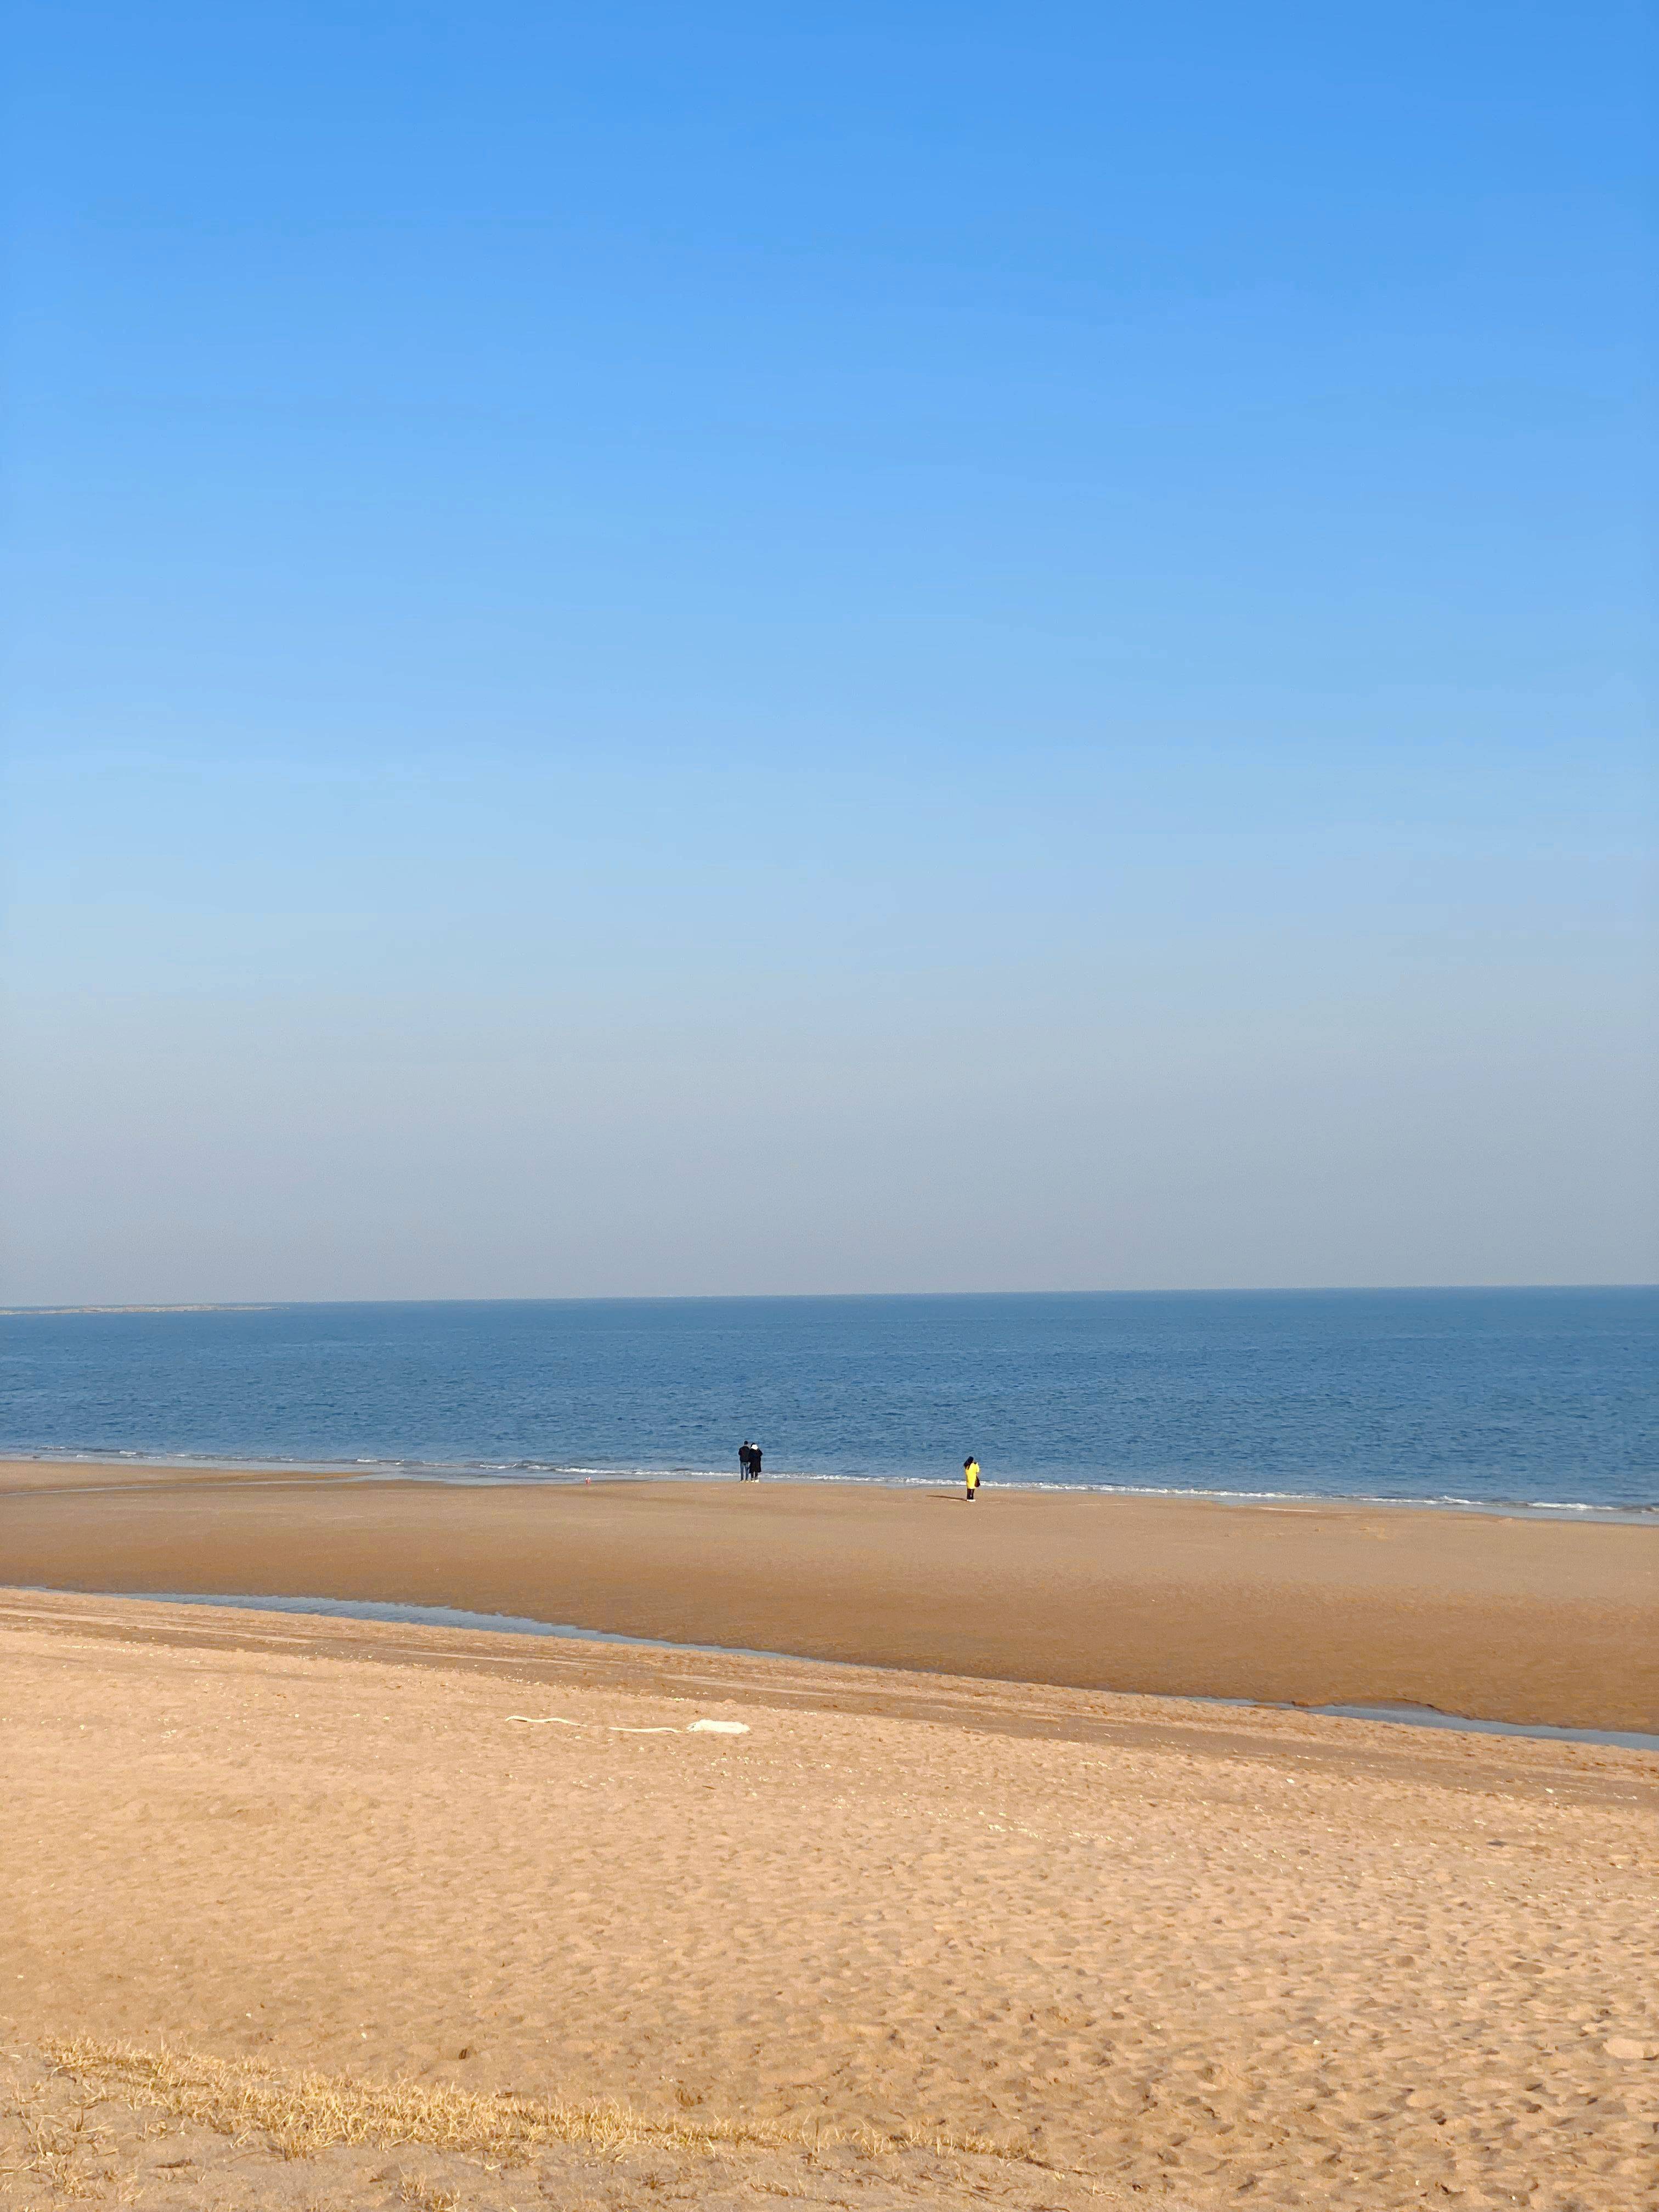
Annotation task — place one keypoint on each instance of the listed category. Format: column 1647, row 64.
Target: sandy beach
column 903, row 1941
column 1515, row 1620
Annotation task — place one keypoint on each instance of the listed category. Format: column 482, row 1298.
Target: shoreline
column 483, row 1474
column 1304, row 1604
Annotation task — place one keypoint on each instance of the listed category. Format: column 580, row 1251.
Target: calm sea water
column 1502, row 1398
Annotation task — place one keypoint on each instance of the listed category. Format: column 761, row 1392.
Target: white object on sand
column 697, row 1727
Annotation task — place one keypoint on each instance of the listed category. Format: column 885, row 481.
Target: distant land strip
column 48, row 1313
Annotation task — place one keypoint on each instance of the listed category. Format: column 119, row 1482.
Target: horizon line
column 65, row 1310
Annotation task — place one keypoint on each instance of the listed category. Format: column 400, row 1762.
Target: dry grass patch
column 53, row 2144
column 425, row 2199
column 302, row 2112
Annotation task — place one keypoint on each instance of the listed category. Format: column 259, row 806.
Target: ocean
column 1534, row 1400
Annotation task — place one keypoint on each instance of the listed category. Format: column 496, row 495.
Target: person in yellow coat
column 970, row 1476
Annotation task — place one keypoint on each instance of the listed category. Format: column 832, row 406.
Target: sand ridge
column 1513, row 1619
column 1170, row 1967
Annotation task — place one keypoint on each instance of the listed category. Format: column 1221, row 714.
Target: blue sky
column 678, row 650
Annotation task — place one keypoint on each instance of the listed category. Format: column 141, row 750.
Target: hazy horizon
column 659, row 656
column 692, row 1297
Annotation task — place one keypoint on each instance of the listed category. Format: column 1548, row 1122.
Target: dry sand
column 1093, row 1949
column 1503, row 1618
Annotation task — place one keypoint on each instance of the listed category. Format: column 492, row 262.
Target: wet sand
column 1104, row 1951
column 1515, row 1620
